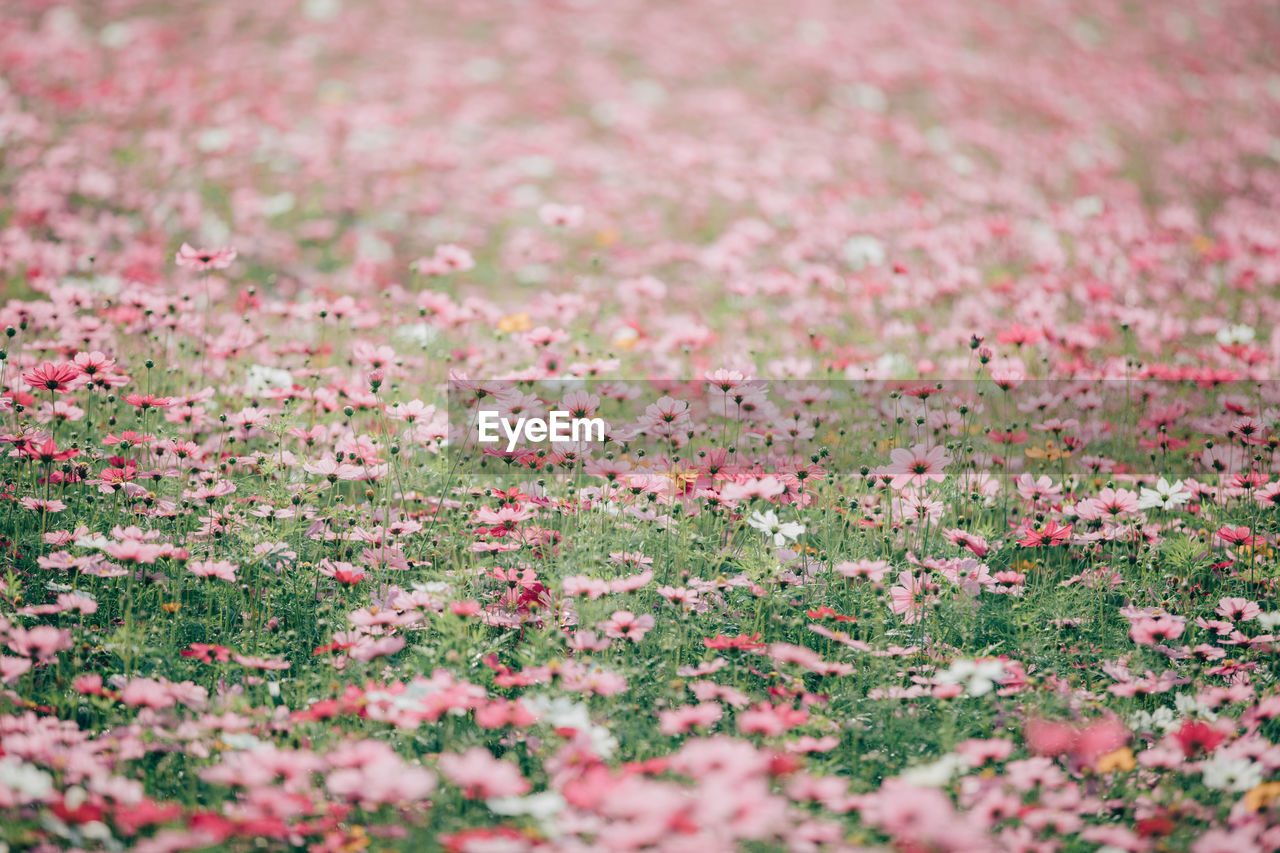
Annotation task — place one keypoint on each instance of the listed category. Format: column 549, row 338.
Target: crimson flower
column 1235, row 535
column 52, row 377
column 1197, row 738
column 207, row 653
column 148, row 401
column 49, row 452
column 742, row 641
column 1051, row 534
column 825, row 612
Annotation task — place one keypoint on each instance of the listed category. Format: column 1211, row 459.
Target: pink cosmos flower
column 1146, row 630
column 561, row 215
column 58, row 378
column 41, row 642
column 201, row 260
column 681, row 720
column 11, row 669
column 147, row 691
column 372, row 774
column 916, row 466
column 481, row 776
column 446, row 259
column 221, row 569
column 1238, row 609
column 872, row 570
column 963, row 538
column 907, row 598
column 1108, row 503
column 624, row 624
column 42, row 505
column 1036, row 489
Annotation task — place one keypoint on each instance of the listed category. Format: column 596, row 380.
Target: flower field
column 934, row 353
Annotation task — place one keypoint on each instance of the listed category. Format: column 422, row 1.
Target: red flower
column 144, row 813
column 1235, row 535
column 148, row 401
column 348, row 576
column 742, row 641
column 1051, row 534
column 1155, row 827
column 48, row 452
column 825, row 612
column 52, row 377
column 1197, row 738
column 206, row 653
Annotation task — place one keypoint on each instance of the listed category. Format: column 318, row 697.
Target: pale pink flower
column 916, row 466
column 221, row 569
column 624, row 624
column 481, row 776
column 201, row 260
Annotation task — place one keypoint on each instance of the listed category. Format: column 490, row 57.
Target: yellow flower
column 832, row 437
column 171, row 606
column 515, row 323
column 1258, row 549
column 1121, row 759
column 681, row 478
column 1258, row 798
column 358, row 840
column 1050, row 451
column 625, row 338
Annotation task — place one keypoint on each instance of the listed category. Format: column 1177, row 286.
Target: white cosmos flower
column 1189, row 706
column 27, row 782
column 935, row 774
column 1160, row 720
column 781, row 531
column 542, row 807
column 863, row 250
column 979, row 677
column 1164, row 495
column 262, row 378
column 1230, row 773
column 1240, row 334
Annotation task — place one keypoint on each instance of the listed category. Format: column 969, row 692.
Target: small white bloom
column 1269, row 621
column 321, row 10
column 936, row 773
column 241, row 740
column 1161, row 720
column 29, row 782
column 542, row 806
column 561, row 712
column 1164, row 495
column 1187, row 706
column 417, row 333
column 978, row 677
column 262, row 379
column 781, row 531
column 1226, row 773
column 862, row 251
column 1239, row 334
